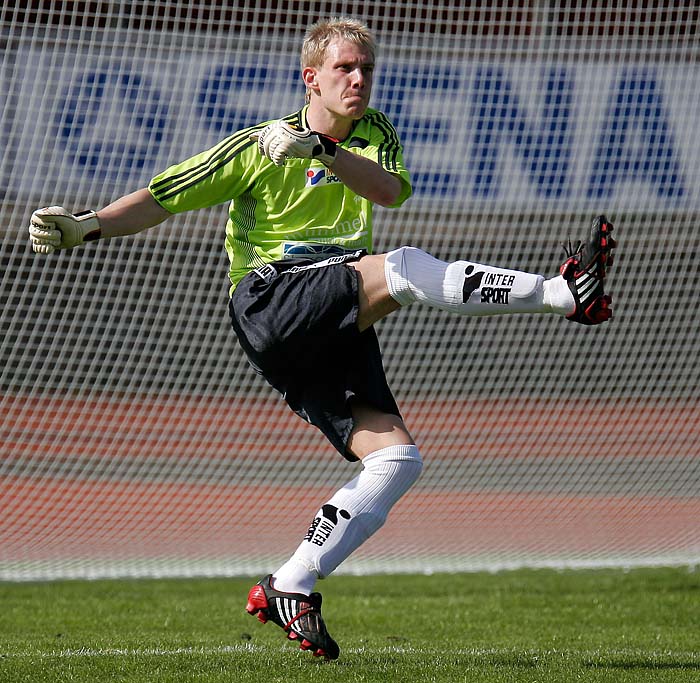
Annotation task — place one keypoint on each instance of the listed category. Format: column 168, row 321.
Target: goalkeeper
column 306, row 289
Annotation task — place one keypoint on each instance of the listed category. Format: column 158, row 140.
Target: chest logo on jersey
column 320, row 176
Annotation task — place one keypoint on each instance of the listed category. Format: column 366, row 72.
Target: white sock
column 558, row 296
column 471, row 288
column 350, row 517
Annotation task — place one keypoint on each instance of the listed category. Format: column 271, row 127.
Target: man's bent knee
column 375, row 429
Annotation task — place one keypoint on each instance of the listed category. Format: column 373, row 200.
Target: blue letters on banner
column 504, row 143
column 93, row 99
column 544, row 150
column 636, row 143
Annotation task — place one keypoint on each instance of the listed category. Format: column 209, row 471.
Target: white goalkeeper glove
column 54, row 228
column 281, row 140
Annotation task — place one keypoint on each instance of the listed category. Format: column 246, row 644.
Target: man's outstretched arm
column 131, row 214
column 53, row 227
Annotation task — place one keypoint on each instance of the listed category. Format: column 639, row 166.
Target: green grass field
column 534, row 625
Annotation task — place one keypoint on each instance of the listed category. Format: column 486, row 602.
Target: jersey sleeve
column 385, row 148
column 208, row 178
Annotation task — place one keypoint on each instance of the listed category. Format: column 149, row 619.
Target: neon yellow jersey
column 299, row 209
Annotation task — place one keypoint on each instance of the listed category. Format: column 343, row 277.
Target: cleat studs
column 257, row 598
column 252, row 608
column 292, row 635
column 305, row 645
column 262, row 617
column 599, row 310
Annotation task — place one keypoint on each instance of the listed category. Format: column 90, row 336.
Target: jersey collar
column 304, row 122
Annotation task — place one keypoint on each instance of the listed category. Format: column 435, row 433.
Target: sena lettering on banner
column 485, row 134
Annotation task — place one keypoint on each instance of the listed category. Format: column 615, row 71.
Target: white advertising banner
column 492, row 135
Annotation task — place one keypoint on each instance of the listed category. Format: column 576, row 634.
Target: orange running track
column 69, row 516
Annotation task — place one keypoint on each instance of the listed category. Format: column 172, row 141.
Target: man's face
column 344, row 81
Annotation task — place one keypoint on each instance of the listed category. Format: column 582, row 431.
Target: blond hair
column 321, row 34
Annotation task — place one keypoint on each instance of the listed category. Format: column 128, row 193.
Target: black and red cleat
column 299, row 616
column 585, row 269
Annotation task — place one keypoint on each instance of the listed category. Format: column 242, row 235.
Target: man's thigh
column 375, row 302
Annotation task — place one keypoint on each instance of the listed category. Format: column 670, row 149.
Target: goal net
column 135, row 439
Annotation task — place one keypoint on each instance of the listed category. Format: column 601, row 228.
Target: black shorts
column 297, row 323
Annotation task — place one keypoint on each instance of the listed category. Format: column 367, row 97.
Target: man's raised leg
column 407, row 275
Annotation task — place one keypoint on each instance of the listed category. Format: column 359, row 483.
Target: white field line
column 602, row 654
column 138, row 652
